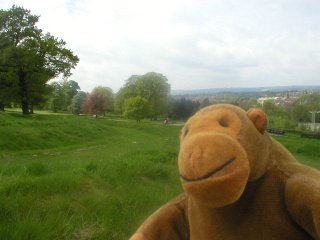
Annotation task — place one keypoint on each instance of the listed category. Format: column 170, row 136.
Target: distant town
column 287, row 98
column 283, row 96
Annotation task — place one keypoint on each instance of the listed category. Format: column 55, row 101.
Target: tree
column 57, row 100
column 6, row 92
column 77, row 102
column 155, row 89
column 273, row 110
column 97, row 101
column 204, row 103
column 299, row 113
column 135, row 108
column 151, row 86
column 245, row 102
column 62, row 93
column 183, row 108
column 127, row 91
column 30, row 58
column 300, row 110
column 70, row 88
column 5, row 84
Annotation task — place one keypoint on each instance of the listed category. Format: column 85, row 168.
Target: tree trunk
column 1, row 107
column 24, row 107
column 23, row 92
column 31, row 108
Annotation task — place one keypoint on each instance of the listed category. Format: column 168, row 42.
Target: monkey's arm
column 303, row 201
column 167, row 223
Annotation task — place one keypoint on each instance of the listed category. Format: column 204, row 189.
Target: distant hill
column 244, row 90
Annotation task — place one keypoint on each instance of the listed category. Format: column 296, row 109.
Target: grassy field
column 77, row 177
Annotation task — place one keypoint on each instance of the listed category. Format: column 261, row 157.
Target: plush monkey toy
column 239, row 183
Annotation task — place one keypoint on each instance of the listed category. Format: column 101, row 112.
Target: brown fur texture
column 239, row 183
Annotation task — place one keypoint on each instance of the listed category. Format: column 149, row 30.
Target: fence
column 310, row 135
column 275, row 131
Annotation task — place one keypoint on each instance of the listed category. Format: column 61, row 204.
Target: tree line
column 66, row 96
column 142, row 96
column 148, row 96
column 30, row 58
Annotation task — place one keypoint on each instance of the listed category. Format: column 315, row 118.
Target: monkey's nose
column 196, row 154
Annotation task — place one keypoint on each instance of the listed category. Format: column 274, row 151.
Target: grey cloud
column 223, row 44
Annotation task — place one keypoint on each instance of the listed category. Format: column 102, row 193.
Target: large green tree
column 153, row 87
column 30, row 58
column 135, row 108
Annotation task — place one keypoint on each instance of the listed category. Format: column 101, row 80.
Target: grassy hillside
column 71, row 177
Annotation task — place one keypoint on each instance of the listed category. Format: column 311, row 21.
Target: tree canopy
column 98, row 100
column 29, row 58
column 183, row 108
column 135, row 108
column 62, row 93
column 302, row 108
column 153, row 87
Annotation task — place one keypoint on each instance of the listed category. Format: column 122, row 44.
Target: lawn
column 78, row 177
column 305, row 150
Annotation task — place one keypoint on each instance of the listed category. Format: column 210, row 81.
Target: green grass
column 305, row 150
column 71, row 177
column 77, row 177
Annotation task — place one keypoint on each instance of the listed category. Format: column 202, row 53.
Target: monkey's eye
column 223, row 123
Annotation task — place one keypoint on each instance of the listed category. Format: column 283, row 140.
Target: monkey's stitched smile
column 218, row 169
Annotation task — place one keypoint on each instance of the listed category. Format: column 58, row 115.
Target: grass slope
column 71, row 177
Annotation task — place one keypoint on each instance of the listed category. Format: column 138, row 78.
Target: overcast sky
column 195, row 43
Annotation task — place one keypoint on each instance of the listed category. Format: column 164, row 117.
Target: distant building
column 310, row 126
column 261, row 100
column 285, row 99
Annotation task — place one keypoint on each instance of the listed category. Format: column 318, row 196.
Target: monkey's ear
column 259, row 119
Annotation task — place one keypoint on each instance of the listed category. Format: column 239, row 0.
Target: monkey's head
column 222, row 148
